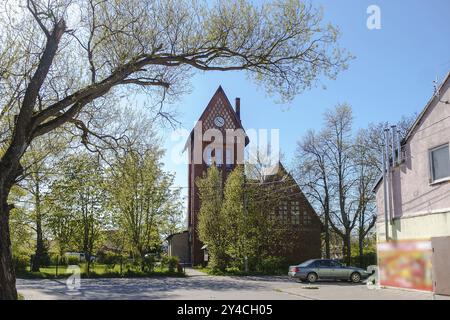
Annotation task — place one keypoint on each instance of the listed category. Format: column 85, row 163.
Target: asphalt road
column 200, row 286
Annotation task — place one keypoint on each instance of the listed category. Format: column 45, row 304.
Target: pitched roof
column 220, row 93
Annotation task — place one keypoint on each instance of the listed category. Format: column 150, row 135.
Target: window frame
column 283, row 211
column 229, row 157
column 209, row 157
column 430, row 164
column 218, row 156
column 306, row 218
column 295, row 212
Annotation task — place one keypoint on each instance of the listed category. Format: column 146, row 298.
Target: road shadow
column 340, row 283
column 136, row 288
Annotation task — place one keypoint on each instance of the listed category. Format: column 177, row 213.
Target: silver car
column 326, row 269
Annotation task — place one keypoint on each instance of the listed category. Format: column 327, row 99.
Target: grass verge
column 96, row 271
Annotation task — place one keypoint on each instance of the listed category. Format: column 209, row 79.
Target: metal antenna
column 436, row 93
column 435, row 87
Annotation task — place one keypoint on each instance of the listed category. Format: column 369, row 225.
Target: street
column 200, row 286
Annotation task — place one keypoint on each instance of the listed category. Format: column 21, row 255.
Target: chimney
column 238, row 108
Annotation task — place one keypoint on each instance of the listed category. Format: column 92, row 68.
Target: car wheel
column 355, row 277
column 312, row 277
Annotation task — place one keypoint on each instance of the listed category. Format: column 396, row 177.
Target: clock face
column 219, row 121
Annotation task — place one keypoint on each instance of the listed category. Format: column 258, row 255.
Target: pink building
column 414, row 240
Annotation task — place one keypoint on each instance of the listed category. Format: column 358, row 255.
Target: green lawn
column 96, row 271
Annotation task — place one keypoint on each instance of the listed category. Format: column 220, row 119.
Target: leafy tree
column 238, row 218
column 61, row 221
column 173, row 207
column 212, row 222
column 78, row 200
column 275, row 232
column 35, row 180
column 21, row 233
column 65, row 59
column 143, row 200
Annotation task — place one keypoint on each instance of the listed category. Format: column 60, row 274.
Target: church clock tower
column 219, row 139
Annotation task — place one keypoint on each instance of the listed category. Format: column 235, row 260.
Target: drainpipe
column 385, row 197
column 399, row 149
column 393, row 144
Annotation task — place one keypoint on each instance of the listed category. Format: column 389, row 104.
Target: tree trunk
column 327, row 229
column 327, row 239
column 10, row 169
column 40, row 246
column 348, row 247
column 7, row 274
column 361, row 248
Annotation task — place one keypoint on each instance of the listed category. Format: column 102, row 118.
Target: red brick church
column 219, row 139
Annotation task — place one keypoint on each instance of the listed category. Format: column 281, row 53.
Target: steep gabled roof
column 219, row 94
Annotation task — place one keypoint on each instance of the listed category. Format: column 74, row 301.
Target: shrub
column 108, row 258
column 58, row 260
column 170, row 263
column 148, row 263
column 44, row 260
column 21, row 262
column 272, row 265
column 72, row 260
column 368, row 258
column 234, row 270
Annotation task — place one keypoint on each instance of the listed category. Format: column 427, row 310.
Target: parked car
column 326, row 269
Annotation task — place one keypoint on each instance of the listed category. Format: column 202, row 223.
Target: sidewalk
column 191, row 272
column 344, row 291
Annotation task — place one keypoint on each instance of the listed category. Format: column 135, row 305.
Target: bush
column 21, row 262
column 170, row 263
column 234, row 270
column 108, row 258
column 368, row 258
column 58, row 260
column 72, row 260
column 272, row 265
column 148, row 263
column 44, row 260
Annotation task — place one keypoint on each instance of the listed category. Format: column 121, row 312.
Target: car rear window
column 306, row 263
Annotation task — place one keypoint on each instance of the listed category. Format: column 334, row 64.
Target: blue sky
column 391, row 76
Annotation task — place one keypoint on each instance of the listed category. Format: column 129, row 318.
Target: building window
column 440, row 163
column 229, row 158
column 283, row 211
column 208, row 156
column 218, row 156
column 295, row 212
column 306, row 218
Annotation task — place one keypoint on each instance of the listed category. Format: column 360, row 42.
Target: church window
column 283, row 211
column 295, row 212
